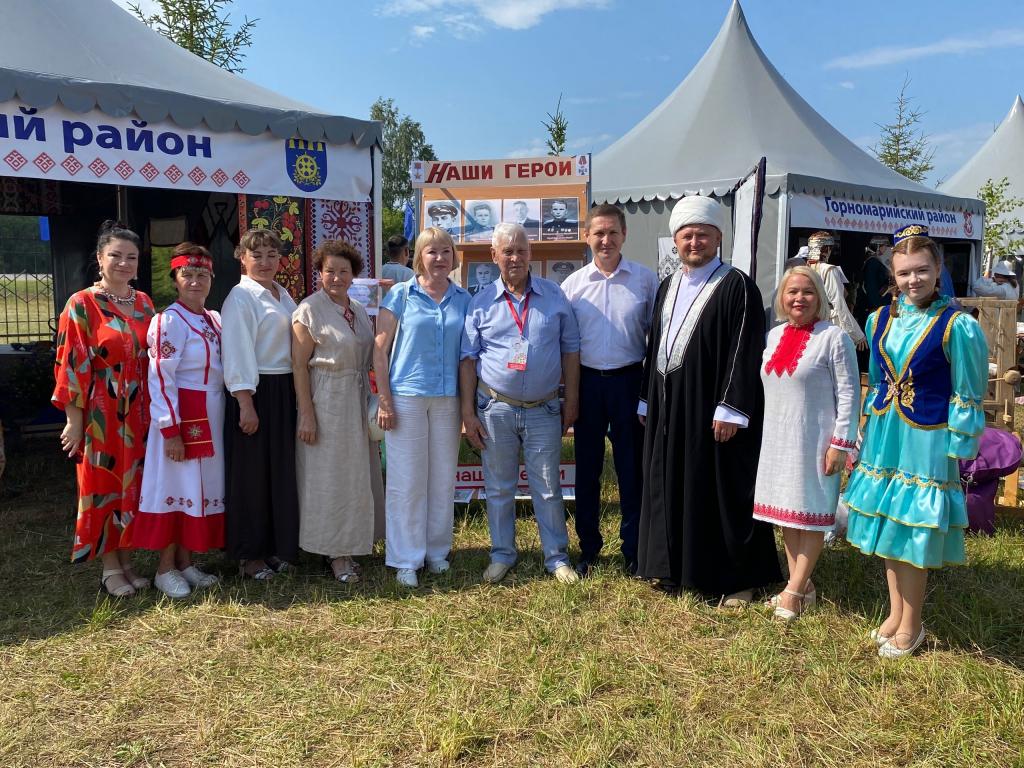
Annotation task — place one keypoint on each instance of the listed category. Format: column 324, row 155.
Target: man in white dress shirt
column 613, row 299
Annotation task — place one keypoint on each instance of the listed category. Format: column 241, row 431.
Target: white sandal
column 125, row 590
column 784, row 613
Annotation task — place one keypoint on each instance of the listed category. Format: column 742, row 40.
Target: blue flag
column 410, row 222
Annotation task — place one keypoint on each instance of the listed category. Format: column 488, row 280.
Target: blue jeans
column 538, row 431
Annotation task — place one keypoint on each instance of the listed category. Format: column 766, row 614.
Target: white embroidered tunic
column 811, row 398
column 182, row 502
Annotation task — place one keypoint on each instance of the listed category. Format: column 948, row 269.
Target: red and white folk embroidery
column 790, row 349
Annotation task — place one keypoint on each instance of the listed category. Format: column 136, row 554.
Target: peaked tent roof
column 1002, row 155
column 733, row 108
column 92, row 54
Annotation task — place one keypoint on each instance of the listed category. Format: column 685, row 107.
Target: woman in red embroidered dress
column 810, row 402
column 182, row 505
column 101, row 386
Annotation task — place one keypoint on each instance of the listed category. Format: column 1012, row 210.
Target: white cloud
column 422, row 32
column 464, row 15
column 536, row 148
column 955, row 46
column 581, row 101
column 847, row 84
column 587, row 142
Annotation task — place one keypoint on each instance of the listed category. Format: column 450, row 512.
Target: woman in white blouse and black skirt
column 262, row 508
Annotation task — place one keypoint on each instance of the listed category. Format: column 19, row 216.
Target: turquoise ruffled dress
column 904, row 495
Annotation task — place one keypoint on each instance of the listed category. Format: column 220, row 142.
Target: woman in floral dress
column 101, row 386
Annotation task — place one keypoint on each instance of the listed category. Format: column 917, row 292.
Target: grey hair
column 507, row 230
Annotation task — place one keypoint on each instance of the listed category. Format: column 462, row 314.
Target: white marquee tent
column 1001, row 156
column 733, row 108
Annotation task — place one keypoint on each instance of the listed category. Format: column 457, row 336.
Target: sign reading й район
column 827, row 212
column 55, row 143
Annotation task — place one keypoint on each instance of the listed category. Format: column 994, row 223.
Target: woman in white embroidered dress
column 181, row 509
column 810, row 405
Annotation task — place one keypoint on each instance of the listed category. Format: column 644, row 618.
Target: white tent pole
column 378, row 212
column 782, row 244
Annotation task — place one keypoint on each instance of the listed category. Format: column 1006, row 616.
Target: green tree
column 199, row 26
column 902, row 146
column 557, row 126
column 999, row 225
column 404, row 141
column 392, row 223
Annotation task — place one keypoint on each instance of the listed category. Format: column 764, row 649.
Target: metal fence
column 27, row 313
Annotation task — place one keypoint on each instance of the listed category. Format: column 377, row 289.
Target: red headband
column 192, row 260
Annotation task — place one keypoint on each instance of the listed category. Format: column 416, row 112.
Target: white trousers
column 422, row 453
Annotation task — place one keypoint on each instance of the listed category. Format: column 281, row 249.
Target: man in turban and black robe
column 703, row 408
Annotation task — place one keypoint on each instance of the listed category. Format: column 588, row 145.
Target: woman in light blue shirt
column 416, row 361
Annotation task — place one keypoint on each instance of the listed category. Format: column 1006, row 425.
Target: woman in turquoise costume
column 928, row 374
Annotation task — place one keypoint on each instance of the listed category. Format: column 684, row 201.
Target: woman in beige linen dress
column 331, row 355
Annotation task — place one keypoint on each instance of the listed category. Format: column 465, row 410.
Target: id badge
column 520, row 349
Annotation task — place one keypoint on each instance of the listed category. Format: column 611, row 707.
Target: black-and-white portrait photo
column 560, row 269
column 444, row 214
column 481, row 216
column 480, row 274
column 526, row 212
column 561, row 218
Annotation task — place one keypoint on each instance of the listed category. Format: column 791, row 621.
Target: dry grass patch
column 304, row 671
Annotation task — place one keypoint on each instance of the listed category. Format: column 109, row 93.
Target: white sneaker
column 407, row 577
column 172, row 584
column 566, row 574
column 496, row 571
column 198, row 578
column 438, row 566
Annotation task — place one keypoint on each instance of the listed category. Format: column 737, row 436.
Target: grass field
column 302, row 671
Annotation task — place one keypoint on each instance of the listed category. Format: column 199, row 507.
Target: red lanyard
column 520, row 319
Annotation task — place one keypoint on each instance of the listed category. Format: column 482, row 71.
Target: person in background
column 262, row 523
column 416, row 361
column 332, row 340
column 999, row 283
column 520, row 340
column 811, row 393
column 181, row 509
column 928, row 376
column 397, row 266
column 702, row 400
column 613, row 300
column 100, row 377
column 876, row 277
column 819, row 246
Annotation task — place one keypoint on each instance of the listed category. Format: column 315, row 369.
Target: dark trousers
column 608, row 402
column 261, row 500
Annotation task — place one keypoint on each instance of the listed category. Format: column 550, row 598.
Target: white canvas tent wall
column 91, row 55
column 1001, row 156
column 733, row 108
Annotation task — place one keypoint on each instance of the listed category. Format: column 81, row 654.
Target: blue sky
column 481, row 76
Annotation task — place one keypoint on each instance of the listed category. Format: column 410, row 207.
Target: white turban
column 697, row 209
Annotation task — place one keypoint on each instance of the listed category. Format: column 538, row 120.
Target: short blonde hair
column 430, row 236
column 824, row 308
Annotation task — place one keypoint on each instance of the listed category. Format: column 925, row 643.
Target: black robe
column 696, row 526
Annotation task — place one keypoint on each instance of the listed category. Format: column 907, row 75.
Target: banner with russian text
column 527, row 170
column 94, row 147
column 826, row 212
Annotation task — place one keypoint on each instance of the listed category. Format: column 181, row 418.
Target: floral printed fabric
column 287, row 216
column 101, row 368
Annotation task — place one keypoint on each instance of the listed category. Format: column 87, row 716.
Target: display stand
column 549, row 196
